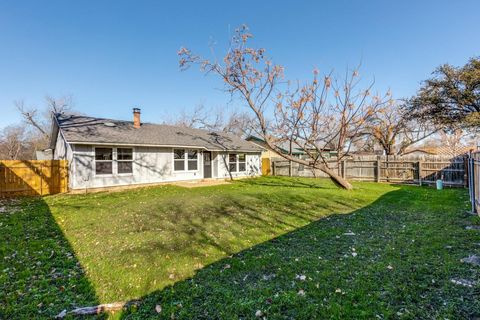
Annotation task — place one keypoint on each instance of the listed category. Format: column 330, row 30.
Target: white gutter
column 155, row 145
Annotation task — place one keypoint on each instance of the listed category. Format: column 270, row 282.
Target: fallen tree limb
column 101, row 308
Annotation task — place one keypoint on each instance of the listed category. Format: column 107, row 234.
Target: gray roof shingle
column 83, row 129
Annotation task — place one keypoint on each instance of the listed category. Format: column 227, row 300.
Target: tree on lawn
column 451, row 98
column 394, row 131
column 322, row 113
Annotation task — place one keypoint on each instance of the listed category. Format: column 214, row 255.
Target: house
column 107, row 153
column 439, row 151
column 287, row 148
column 284, row 147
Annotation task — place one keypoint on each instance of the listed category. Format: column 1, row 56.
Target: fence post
column 274, row 167
column 290, row 168
column 40, row 178
column 472, row 186
column 344, row 169
column 377, row 171
column 419, row 173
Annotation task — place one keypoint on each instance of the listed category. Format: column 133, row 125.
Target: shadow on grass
column 290, row 183
column 383, row 260
column 40, row 275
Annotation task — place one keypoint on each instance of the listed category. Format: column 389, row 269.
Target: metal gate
column 474, row 181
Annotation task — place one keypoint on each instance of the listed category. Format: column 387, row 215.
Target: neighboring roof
column 441, row 151
column 83, row 129
column 284, row 146
column 46, row 154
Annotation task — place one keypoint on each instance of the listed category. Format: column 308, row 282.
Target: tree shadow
column 290, row 183
column 32, row 177
column 311, row 273
column 40, row 274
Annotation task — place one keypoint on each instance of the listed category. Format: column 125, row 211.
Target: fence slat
column 407, row 169
column 33, row 177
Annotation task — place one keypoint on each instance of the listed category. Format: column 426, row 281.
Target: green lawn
column 286, row 247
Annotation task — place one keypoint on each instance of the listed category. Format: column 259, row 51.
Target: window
column 192, row 160
column 124, row 160
column 107, row 161
column 232, row 162
column 178, row 160
column 185, row 160
column 237, row 162
column 103, row 160
column 242, row 164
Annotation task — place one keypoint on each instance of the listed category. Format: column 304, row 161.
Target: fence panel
column 395, row 169
column 33, row 177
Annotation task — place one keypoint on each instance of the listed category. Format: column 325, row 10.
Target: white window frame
column 185, row 159
column 117, row 161
column 103, row 161
column 237, row 163
column 114, row 161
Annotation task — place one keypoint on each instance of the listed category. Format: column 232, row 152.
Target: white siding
column 150, row 165
column 253, row 165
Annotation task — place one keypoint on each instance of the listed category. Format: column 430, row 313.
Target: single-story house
column 287, row 148
column 439, row 151
column 107, row 153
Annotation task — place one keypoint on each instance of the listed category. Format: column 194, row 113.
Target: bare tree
column 237, row 123
column 323, row 113
column 453, row 140
column 394, row 131
column 39, row 118
column 12, row 142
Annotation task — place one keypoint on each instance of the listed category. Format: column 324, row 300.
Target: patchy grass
column 286, row 247
column 39, row 273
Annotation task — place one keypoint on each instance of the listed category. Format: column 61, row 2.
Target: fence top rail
column 25, row 162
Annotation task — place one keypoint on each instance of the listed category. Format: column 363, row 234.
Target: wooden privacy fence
column 396, row 169
column 33, row 177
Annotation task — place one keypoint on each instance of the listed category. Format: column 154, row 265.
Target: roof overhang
column 157, row 146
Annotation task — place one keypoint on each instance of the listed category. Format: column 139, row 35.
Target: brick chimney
column 136, row 118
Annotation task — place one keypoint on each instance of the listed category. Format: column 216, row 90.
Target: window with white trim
column 124, row 160
column 192, row 160
column 185, row 160
column 232, row 162
column 237, row 162
column 109, row 160
column 179, row 160
column 242, row 162
column 103, row 160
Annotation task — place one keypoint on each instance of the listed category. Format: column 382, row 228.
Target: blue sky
column 113, row 55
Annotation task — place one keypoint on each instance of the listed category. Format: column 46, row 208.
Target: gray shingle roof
column 83, row 129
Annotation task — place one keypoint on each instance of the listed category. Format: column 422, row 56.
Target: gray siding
column 150, row 165
column 62, row 151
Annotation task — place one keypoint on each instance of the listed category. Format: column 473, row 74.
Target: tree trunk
column 322, row 167
column 335, row 177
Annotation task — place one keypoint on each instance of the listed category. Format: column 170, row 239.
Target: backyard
column 267, row 247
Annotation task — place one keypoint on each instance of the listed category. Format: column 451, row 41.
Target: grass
column 286, row 247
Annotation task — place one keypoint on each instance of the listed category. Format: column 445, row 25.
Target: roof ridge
column 149, row 123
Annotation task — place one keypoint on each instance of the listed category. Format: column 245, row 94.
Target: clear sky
column 113, row 55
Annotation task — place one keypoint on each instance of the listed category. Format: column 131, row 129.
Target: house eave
column 158, row 145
